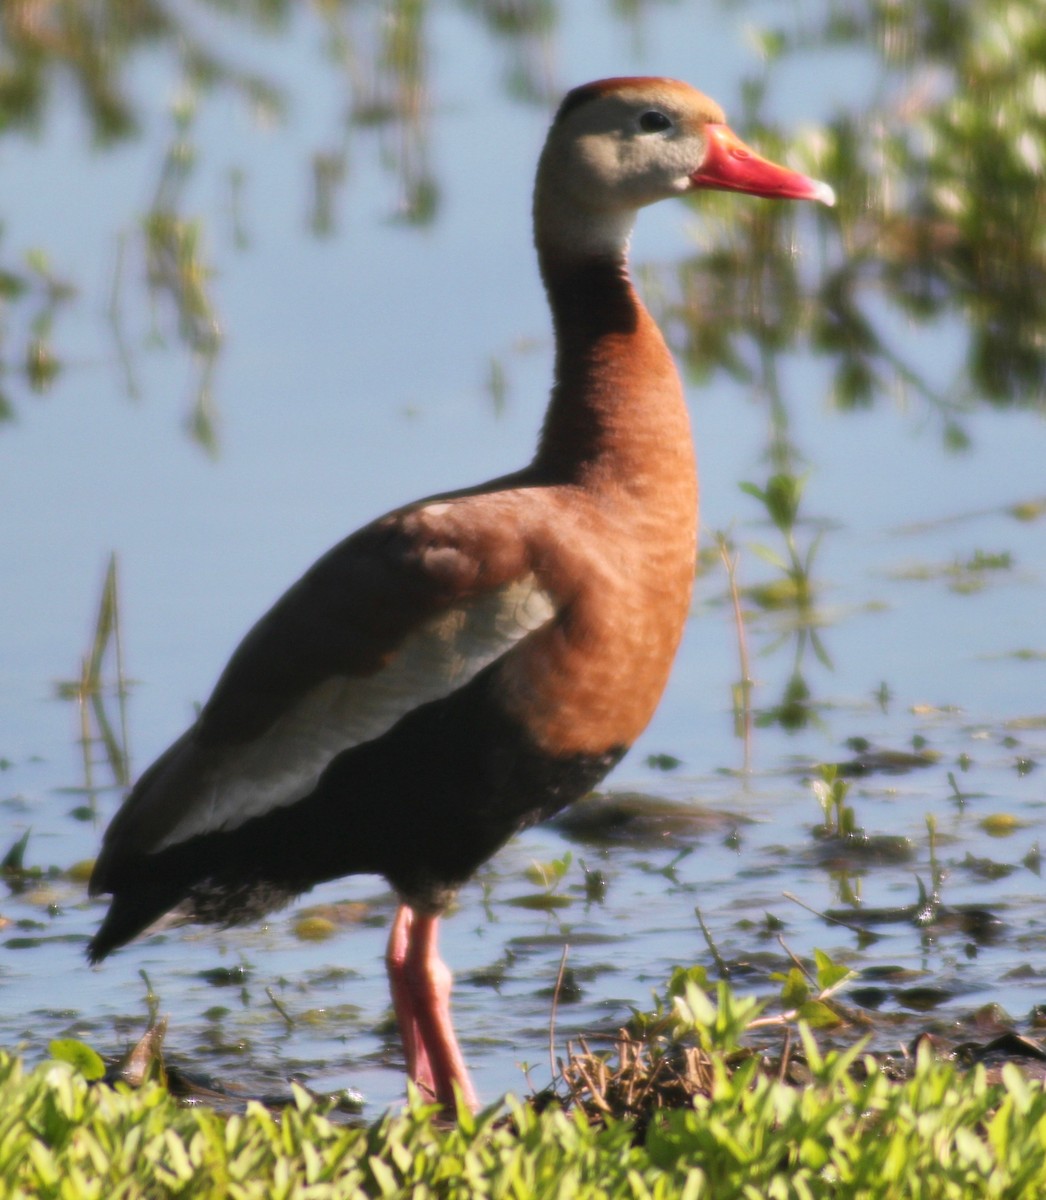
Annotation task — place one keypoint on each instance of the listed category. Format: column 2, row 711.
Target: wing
column 403, row 612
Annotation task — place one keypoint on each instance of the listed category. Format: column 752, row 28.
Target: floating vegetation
column 1000, row 825
column 639, row 820
column 547, row 876
column 226, row 976
column 314, row 928
column 964, row 576
column 872, row 760
column 322, row 921
column 1022, row 510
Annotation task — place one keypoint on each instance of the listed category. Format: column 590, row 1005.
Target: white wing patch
column 285, row 763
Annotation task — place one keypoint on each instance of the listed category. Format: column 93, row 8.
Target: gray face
column 615, row 152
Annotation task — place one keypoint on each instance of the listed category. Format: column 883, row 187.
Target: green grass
column 849, row 1132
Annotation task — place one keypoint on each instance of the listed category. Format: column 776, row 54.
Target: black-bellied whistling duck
column 469, row 664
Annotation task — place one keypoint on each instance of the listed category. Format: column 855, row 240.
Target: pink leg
column 420, row 984
column 418, row 1067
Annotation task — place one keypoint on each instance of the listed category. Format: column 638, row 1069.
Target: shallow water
column 354, row 376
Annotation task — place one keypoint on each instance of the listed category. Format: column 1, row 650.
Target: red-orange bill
column 731, row 166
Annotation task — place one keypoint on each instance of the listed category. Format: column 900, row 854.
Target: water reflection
column 177, row 271
column 940, row 176
column 101, row 692
column 386, row 70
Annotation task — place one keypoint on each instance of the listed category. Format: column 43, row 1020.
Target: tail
column 214, row 878
column 231, row 876
column 132, row 911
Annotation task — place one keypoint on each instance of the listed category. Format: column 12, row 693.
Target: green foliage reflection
column 939, row 167
column 940, row 176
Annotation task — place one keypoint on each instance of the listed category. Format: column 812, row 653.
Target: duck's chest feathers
column 591, row 678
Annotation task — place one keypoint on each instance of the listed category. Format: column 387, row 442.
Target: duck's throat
column 617, row 410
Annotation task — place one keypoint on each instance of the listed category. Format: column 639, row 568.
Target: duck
column 470, row 663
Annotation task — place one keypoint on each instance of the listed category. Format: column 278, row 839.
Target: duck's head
column 619, row 144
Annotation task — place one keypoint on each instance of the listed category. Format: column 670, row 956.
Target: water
column 353, row 377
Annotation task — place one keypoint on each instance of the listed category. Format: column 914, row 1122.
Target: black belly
column 424, row 805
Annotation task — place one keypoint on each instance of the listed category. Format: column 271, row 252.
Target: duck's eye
column 654, row 122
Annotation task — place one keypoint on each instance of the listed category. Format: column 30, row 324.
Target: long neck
column 617, row 418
